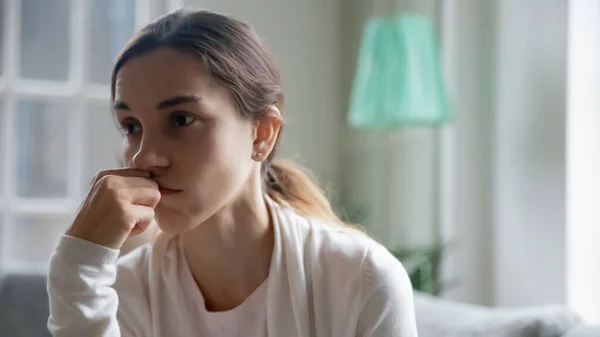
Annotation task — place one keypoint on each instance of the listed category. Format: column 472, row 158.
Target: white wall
column 529, row 153
column 468, row 43
column 506, row 65
column 306, row 38
column 547, row 155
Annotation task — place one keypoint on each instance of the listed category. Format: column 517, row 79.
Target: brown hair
column 234, row 55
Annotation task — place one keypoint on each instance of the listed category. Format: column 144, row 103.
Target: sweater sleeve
column 388, row 309
column 82, row 300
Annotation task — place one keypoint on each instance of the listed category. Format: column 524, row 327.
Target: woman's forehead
column 163, row 73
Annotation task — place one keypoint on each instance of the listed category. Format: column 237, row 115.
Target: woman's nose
column 149, row 156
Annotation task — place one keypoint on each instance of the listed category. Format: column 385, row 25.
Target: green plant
column 423, row 266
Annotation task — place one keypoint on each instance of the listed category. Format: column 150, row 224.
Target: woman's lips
column 167, row 191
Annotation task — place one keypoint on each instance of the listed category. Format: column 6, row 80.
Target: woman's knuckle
column 126, row 214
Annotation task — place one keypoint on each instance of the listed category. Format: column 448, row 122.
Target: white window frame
column 76, row 93
column 583, row 160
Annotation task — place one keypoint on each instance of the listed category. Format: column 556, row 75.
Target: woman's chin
column 172, row 226
column 171, row 223
column 172, row 220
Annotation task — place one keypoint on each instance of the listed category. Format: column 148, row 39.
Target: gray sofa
column 442, row 318
column 24, row 312
column 23, row 306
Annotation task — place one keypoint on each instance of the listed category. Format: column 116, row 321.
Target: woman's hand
column 120, row 204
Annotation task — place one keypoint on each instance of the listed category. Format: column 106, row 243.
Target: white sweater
column 323, row 282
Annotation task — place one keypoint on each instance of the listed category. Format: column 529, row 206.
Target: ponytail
column 289, row 184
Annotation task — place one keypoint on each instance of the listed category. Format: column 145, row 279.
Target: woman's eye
column 180, row 120
column 130, row 127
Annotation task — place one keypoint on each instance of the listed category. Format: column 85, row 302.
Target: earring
column 258, row 156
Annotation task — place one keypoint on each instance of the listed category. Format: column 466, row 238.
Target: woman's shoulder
column 331, row 238
column 356, row 274
column 349, row 250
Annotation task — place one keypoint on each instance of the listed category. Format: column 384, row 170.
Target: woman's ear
column 266, row 132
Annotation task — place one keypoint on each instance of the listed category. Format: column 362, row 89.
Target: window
column 55, row 122
column 583, row 160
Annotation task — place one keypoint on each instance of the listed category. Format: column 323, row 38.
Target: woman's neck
column 229, row 255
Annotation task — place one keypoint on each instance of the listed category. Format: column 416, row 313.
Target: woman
column 249, row 245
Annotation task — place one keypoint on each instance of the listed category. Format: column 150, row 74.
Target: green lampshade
column 399, row 78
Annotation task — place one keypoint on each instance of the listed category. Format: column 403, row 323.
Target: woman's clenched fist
column 120, row 204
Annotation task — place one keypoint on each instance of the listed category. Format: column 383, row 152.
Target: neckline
column 258, row 294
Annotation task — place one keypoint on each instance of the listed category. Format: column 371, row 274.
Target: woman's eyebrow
column 173, row 101
column 168, row 103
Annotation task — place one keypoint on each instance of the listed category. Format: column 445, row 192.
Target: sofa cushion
column 442, row 318
column 585, row 331
column 24, row 306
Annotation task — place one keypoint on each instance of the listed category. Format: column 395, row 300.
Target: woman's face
column 180, row 125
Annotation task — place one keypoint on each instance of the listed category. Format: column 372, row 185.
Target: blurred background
column 485, row 181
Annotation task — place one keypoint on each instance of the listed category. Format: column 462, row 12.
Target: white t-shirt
column 247, row 319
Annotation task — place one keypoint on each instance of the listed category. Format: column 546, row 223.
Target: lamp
column 398, row 81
